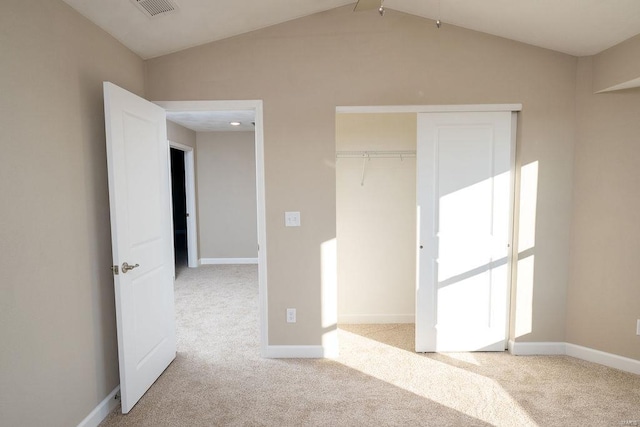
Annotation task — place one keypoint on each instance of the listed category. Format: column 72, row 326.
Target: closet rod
column 374, row 154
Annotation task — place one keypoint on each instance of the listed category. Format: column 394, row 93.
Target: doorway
column 179, row 209
column 221, row 109
column 183, row 205
column 138, row 160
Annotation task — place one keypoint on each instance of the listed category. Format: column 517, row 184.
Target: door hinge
column 115, row 270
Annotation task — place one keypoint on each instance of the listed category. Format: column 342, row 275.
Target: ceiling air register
column 154, row 8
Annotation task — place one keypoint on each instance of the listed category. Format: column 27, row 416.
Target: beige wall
column 58, row 353
column 376, row 222
column 180, row 134
column 604, row 294
column 304, row 68
column 227, row 195
column 618, row 65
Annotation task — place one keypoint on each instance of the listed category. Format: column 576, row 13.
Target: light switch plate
column 292, row 219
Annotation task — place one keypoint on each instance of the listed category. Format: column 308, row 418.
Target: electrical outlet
column 291, row 315
column 638, row 327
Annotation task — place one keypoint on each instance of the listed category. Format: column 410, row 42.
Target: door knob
column 126, row 267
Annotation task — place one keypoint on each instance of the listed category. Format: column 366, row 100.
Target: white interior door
column 465, row 219
column 139, row 195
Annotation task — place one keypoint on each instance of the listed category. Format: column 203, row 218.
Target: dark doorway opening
column 179, row 201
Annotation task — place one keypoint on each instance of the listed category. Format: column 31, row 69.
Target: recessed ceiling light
column 234, row 123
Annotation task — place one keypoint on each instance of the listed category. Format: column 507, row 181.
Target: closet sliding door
column 465, row 191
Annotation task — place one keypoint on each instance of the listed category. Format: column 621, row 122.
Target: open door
column 464, row 165
column 139, row 197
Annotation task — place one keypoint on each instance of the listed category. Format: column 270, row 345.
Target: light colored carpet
column 219, row 378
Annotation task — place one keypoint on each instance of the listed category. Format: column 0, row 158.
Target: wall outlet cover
column 292, row 219
column 291, row 315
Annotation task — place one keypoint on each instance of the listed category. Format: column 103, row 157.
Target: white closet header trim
column 429, row 108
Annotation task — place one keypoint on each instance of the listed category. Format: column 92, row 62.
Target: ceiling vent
column 154, row 8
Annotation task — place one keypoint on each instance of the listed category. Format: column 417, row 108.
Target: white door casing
column 465, row 212
column 257, row 107
column 139, row 197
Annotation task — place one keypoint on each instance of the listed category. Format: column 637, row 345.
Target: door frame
column 514, row 109
column 257, row 107
column 190, row 190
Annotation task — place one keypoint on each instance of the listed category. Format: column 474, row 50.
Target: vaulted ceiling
column 576, row 27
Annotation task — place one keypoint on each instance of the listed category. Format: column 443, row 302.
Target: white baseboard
column 359, row 319
column 223, row 261
column 584, row 353
column 536, row 348
column 101, row 411
column 298, row 352
column 607, row 359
